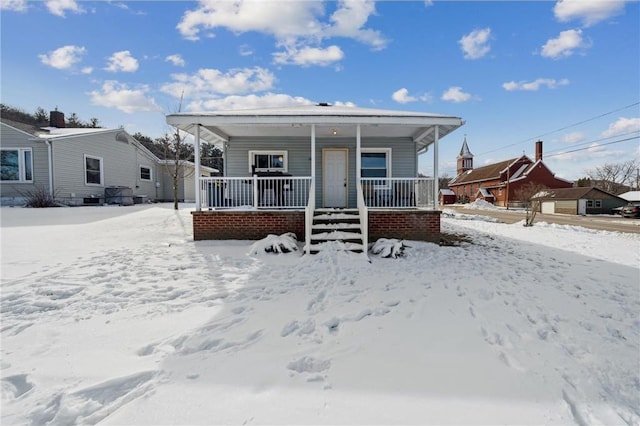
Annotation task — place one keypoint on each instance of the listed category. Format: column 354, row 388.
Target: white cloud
column 455, row 94
column 309, row 56
column 15, row 5
column 122, row 61
column 86, row 70
column 475, row 45
column 211, row 83
column 294, row 24
column 64, row 57
column 120, row 96
column 248, row 102
column 573, row 137
column 565, row 44
column 245, row 50
column 622, row 126
column 60, row 7
column 589, row 12
column 535, row 85
column 175, row 60
column 402, row 97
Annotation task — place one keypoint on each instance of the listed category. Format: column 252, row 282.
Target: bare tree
column 615, row 178
column 177, row 152
column 530, row 195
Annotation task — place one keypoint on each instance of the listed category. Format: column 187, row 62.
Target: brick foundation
column 420, row 225
column 246, row 225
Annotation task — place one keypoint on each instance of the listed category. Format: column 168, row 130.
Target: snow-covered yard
column 114, row 315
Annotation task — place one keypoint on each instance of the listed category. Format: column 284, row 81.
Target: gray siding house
column 83, row 166
column 322, row 171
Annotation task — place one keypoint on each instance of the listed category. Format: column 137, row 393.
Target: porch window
column 375, row 163
column 268, row 161
column 93, row 173
column 145, row 173
column 16, row 165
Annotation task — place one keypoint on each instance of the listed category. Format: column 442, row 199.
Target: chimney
column 538, row 150
column 56, row 119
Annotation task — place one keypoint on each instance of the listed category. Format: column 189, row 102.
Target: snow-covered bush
column 284, row 243
column 388, row 247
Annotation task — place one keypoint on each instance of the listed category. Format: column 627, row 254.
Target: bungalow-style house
column 322, row 171
column 499, row 183
column 84, row 166
column 579, row 201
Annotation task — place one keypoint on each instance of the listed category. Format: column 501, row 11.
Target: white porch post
column 313, row 157
column 358, row 155
column 436, row 138
column 196, row 153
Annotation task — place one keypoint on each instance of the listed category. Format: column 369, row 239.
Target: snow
column 114, row 315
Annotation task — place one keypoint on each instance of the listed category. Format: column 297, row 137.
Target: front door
column 334, row 177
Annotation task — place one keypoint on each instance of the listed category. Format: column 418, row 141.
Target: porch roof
column 330, row 121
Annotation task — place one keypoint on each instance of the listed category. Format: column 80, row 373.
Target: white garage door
column 549, row 207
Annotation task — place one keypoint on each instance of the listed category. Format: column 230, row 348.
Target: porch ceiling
column 330, row 122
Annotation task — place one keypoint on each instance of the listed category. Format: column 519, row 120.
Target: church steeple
column 465, row 158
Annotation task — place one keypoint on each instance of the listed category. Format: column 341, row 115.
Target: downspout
column 50, row 159
column 197, row 167
column 436, row 184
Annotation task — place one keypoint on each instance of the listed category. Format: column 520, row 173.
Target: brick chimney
column 56, row 119
column 538, row 150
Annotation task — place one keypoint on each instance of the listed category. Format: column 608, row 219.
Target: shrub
column 39, row 197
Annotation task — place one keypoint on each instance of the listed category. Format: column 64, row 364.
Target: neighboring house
column 291, row 169
column 447, row 196
column 500, row 182
column 581, row 200
column 83, row 166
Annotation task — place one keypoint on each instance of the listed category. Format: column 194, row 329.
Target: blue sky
column 566, row 72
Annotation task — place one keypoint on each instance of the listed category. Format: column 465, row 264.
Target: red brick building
column 500, row 182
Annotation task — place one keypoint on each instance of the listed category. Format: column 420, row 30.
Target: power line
column 594, row 141
column 595, row 146
column 562, row 128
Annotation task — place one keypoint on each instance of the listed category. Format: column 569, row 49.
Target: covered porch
column 305, row 158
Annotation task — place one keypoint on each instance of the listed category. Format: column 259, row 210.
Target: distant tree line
column 40, row 117
column 165, row 147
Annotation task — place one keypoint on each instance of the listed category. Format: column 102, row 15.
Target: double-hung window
column 16, row 165
column 268, row 161
column 93, row 170
column 375, row 163
column 145, row 173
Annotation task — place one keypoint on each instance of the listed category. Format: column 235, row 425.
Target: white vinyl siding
column 16, row 165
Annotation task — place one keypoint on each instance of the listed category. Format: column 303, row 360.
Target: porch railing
column 281, row 192
column 398, row 193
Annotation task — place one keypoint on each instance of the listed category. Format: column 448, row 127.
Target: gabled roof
column 490, row 172
column 447, row 191
column 24, row 128
column 329, row 120
column 631, row 196
column 574, row 193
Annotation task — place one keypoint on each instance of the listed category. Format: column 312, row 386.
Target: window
column 375, row 163
column 598, row 204
column 16, row 165
column 589, row 203
column 145, row 173
column 268, row 161
column 93, row 174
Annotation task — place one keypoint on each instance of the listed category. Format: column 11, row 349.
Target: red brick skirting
column 246, row 225
column 420, row 225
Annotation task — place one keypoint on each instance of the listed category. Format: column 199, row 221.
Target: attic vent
column 324, row 104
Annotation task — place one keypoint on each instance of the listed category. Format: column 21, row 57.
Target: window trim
column 272, row 152
column 598, row 204
column 101, row 170
column 22, row 163
column 142, row 166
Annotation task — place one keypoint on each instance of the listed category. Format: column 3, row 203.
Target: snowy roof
column 330, row 121
column 65, row 132
column 631, row 196
column 446, row 191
